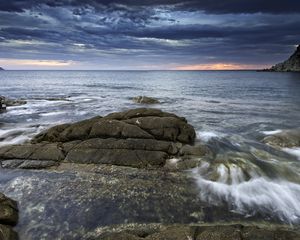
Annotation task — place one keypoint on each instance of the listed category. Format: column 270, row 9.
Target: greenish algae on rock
column 8, row 218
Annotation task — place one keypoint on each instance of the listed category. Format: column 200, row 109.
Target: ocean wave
column 272, row 132
column 18, row 135
column 16, row 140
column 52, row 113
column 206, row 136
column 293, row 151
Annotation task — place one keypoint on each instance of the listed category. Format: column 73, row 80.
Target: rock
column 11, row 102
column 53, row 99
column 140, row 138
column 14, row 102
column 145, row 100
column 198, row 150
column 2, row 104
column 284, row 139
column 8, row 210
column 199, row 232
column 8, row 218
column 105, row 195
column 290, row 65
column 189, row 156
column 1, row 69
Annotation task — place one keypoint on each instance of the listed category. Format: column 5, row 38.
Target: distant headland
column 290, row 65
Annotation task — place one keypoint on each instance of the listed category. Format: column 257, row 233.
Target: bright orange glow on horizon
column 219, row 66
column 35, row 63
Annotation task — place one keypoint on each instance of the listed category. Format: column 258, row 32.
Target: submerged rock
column 145, row 100
column 285, row 139
column 290, row 65
column 8, row 218
column 199, row 232
column 53, row 99
column 137, row 138
column 53, row 200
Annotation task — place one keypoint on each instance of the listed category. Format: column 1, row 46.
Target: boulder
column 145, row 100
column 8, row 218
column 138, row 138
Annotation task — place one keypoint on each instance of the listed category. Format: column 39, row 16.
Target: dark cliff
column 290, row 65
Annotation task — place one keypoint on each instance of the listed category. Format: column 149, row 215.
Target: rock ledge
column 141, row 138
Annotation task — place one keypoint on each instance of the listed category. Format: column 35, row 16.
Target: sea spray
column 257, row 195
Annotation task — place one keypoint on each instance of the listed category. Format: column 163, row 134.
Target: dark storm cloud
column 149, row 31
column 210, row 6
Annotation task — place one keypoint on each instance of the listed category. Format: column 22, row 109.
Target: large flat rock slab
column 73, row 201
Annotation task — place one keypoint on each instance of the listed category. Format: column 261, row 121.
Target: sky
column 147, row 34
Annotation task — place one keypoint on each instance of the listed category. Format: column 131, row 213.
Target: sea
column 231, row 111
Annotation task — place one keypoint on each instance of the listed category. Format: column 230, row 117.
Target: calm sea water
column 222, row 101
column 230, row 110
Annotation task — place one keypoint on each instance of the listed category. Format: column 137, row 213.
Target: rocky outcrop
column 290, row 65
column 1, row 69
column 199, row 232
column 53, row 99
column 8, row 218
column 145, row 100
column 138, row 138
column 2, row 104
column 285, row 139
column 14, row 102
column 8, row 102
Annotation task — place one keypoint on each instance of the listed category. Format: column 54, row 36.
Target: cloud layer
column 155, row 34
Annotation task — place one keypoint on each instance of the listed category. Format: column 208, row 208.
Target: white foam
column 18, row 135
column 270, row 197
column 8, row 132
column 16, row 140
column 52, row 113
column 272, row 132
column 173, row 160
column 293, row 151
column 207, row 136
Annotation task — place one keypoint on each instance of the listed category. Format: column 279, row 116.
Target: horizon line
column 175, row 70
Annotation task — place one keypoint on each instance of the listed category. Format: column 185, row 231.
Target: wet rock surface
column 285, row 139
column 8, row 218
column 145, row 100
column 138, row 138
column 2, row 104
column 200, row 232
column 73, row 201
column 8, row 102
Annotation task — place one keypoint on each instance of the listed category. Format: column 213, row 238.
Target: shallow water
column 230, row 110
